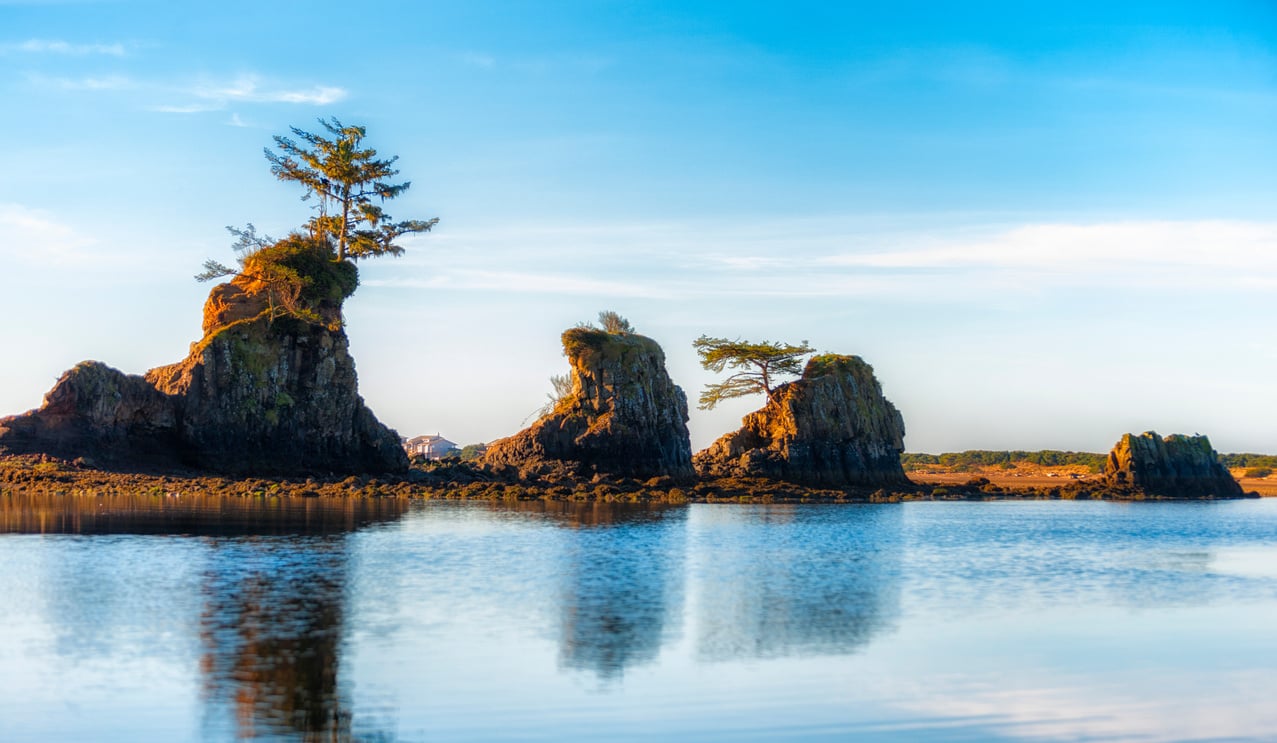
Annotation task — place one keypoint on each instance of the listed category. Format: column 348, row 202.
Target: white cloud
column 248, row 88
column 812, row 259
column 32, row 236
column 50, row 46
column 1166, row 253
column 478, row 59
column 524, row 282
column 105, row 82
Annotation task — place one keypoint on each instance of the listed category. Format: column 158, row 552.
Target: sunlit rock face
column 832, row 427
column 624, row 415
column 98, row 412
column 1176, row 466
column 262, row 392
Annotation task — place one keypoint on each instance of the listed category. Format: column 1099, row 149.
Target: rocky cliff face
column 624, row 415
column 1177, row 466
column 832, row 428
column 260, row 393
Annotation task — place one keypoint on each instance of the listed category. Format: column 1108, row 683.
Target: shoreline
column 42, row 474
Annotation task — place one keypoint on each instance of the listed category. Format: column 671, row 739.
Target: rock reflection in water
column 621, row 576
column 204, row 515
column 272, row 631
column 815, row 581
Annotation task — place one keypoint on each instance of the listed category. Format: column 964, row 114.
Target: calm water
column 168, row 619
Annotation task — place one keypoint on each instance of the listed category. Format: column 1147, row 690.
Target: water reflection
column 205, row 515
column 622, row 585
column 782, row 580
column 272, row 631
column 273, row 591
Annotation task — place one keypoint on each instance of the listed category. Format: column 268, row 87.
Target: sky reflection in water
column 218, row 619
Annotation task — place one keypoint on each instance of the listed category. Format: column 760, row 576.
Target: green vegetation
column 345, row 179
column 760, row 365
column 1249, row 460
column 306, row 271
column 614, row 323
column 967, row 460
column 1258, row 472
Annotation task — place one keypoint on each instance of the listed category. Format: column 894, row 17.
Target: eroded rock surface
column 832, row 427
column 624, row 415
column 262, row 392
column 1176, row 466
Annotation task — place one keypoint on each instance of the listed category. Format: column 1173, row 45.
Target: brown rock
column 624, row 415
column 263, row 392
column 832, row 427
column 1177, row 466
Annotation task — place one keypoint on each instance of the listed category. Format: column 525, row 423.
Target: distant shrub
column 1258, row 472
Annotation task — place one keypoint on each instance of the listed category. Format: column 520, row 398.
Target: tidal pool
column 170, row 619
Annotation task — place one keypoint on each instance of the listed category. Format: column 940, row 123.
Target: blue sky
column 1044, row 224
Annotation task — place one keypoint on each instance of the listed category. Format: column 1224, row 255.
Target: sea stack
column 269, row 389
column 830, row 428
column 1177, row 466
column 623, row 416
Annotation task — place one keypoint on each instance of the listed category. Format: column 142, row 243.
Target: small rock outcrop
column 832, row 427
column 1177, row 466
column 270, row 389
column 624, row 416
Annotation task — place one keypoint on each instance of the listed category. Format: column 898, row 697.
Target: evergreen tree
column 346, row 180
column 760, row 365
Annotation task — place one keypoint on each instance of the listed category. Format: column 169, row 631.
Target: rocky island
column 263, row 392
column 267, row 401
column 624, row 416
column 1177, row 466
column 832, row 427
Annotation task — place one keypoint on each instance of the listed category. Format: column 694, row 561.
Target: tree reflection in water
column 816, row 581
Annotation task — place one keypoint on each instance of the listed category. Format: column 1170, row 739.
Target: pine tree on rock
column 346, row 180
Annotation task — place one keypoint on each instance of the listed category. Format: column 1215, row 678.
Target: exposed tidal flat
column 223, row 618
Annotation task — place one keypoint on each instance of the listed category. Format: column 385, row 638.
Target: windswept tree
column 350, row 184
column 613, row 323
column 760, row 366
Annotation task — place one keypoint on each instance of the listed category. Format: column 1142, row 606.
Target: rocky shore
column 43, row 474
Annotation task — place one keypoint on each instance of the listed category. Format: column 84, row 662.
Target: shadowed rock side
column 832, row 427
column 256, row 395
column 1176, row 466
column 624, row 415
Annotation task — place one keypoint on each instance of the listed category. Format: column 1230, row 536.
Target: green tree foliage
column 346, row 180
column 760, row 366
column 296, row 273
column 1249, row 460
column 614, row 323
column 966, row 460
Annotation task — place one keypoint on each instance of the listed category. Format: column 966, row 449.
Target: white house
column 430, row 447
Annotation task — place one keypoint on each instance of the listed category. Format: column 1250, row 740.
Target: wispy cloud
column 32, row 236
column 249, row 88
column 52, row 46
column 1176, row 251
column 95, row 82
column 478, row 59
column 797, row 258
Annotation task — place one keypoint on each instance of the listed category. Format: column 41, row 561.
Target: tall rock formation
column 832, row 427
column 270, row 389
column 1177, row 466
column 624, row 415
